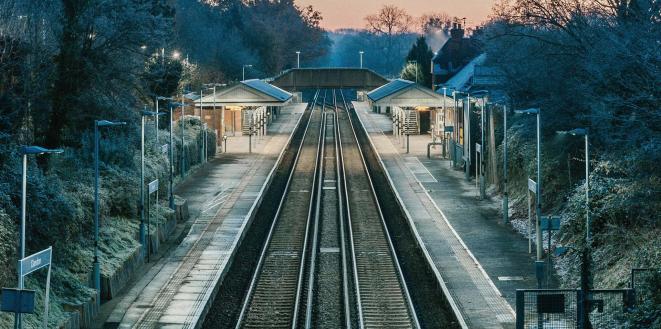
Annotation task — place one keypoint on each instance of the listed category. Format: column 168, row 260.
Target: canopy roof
column 247, row 93
column 406, row 93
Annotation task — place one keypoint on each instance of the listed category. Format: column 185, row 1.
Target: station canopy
column 247, row 93
column 404, row 93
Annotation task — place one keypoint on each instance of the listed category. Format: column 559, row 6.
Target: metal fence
column 641, row 283
column 562, row 308
column 547, row 308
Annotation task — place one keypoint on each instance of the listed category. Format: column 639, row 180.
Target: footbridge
column 295, row 80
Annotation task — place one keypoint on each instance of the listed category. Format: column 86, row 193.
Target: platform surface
column 481, row 261
column 222, row 200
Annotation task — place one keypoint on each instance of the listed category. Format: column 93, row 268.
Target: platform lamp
column 96, row 265
column 502, row 101
column 482, row 94
column 244, row 70
column 143, row 237
column 171, row 107
column 361, row 58
column 587, row 246
column 25, row 151
column 298, row 59
column 538, row 185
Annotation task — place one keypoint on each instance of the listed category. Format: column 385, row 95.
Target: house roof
column 247, row 93
column 389, row 89
column 401, row 92
column 461, row 80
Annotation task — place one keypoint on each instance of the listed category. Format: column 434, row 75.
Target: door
column 425, row 121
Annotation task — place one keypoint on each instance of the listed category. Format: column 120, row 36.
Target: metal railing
column 562, row 308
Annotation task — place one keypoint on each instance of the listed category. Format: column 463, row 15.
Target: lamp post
column 584, row 132
column 505, row 188
column 587, row 246
column 467, row 126
column 298, row 59
column 183, row 134
column 538, row 186
column 96, row 266
column 482, row 94
column 244, row 70
column 361, row 58
column 171, row 106
column 25, row 151
column 143, row 237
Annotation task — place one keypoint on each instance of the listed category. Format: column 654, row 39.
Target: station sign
column 36, row 261
column 153, row 186
column 532, row 186
column 478, row 147
column 449, row 129
column 549, row 223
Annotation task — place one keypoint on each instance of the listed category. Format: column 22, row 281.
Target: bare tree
column 391, row 21
column 430, row 23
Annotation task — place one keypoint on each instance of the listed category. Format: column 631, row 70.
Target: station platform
column 479, row 261
column 222, row 198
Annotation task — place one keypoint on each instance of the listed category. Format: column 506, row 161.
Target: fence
column 641, row 283
column 562, row 308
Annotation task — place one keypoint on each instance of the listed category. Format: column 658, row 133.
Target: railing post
column 520, row 307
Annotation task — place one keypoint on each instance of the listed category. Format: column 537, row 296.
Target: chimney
column 457, row 32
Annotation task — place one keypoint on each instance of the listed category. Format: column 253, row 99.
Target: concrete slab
column 222, row 198
column 460, row 235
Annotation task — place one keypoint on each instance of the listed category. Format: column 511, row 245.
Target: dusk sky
column 351, row 13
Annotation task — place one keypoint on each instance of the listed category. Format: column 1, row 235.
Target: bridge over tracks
column 295, row 80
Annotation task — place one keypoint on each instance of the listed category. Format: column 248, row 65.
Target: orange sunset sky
column 351, row 13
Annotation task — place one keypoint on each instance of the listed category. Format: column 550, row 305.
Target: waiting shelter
column 414, row 109
column 246, row 108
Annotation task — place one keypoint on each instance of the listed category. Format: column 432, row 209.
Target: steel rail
column 393, row 254
column 258, row 269
column 343, row 247
column 315, row 234
column 345, row 198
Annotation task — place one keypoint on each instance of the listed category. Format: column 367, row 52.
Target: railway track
column 273, row 297
column 328, row 260
column 383, row 300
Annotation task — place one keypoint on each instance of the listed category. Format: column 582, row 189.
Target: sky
column 351, row 13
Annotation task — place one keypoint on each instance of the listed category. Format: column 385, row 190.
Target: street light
column 298, row 59
column 585, row 254
column 361, row 58
column 222, row 113
column 415, row 67
column 25, row 151
column 96, row 266
column 538, row 186
column 467, row 132
column 143, row 238
column 584, row 132
column 244, row 70
column 505, row 188
column 171, row 106
column 482, row 94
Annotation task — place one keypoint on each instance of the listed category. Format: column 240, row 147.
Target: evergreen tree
column 421, row 53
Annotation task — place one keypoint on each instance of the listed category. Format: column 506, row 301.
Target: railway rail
column 328, row 260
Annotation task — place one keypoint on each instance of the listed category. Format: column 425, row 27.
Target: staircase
column 411, row 122
column 245, row 122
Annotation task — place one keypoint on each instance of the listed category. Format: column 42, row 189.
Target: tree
column 593, row 64
column 412, row 71
column 430, row 23
column 99, row 64
column 422, row 55
column 391, row 22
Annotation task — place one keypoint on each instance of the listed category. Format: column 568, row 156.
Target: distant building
column 456, row 53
